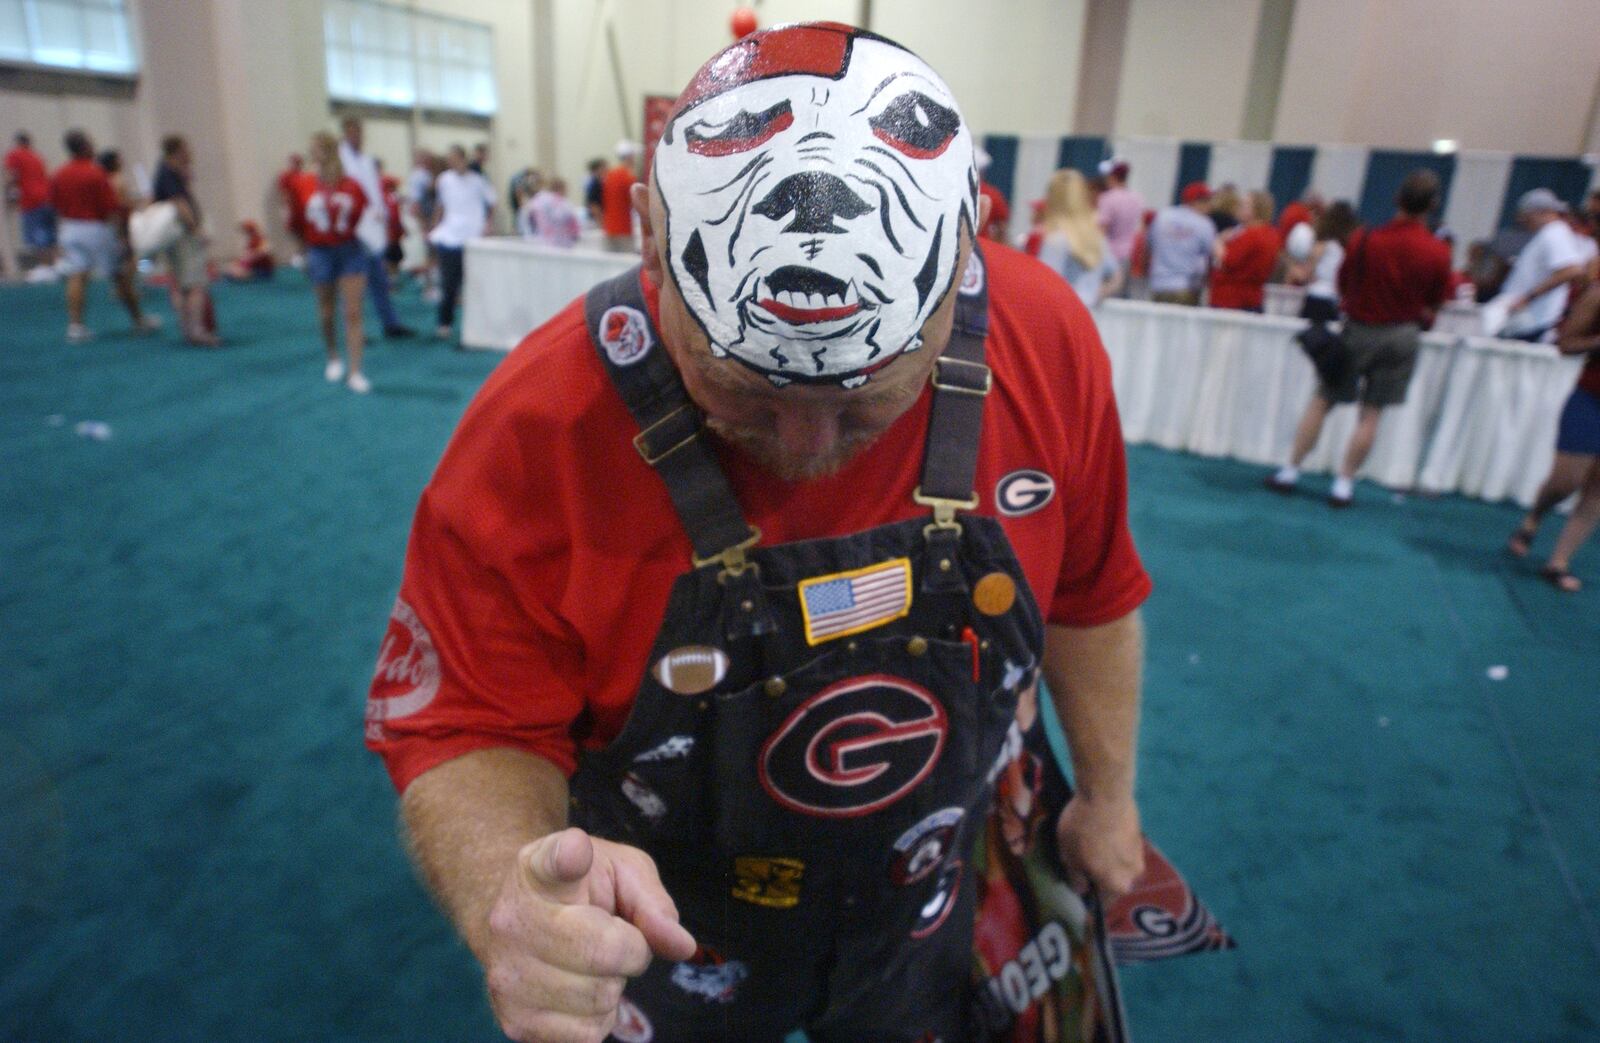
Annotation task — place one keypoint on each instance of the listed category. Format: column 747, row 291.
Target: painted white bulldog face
column 816, row 182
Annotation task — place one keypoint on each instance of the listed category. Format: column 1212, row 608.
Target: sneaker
column 358, row 383
column 147, row 324
column 333, row 372
column 77, row 333
column 1342, row 493
column 1277, row 484
column 444, row 333
column 398, row 332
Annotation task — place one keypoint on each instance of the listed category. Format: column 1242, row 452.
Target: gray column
column 1105, row 39
column 1266, row 70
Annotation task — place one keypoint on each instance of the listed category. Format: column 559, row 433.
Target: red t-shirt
column 1247, row 261
column 616, row 206
column 81, row 191
column 1398, row 272
column 33, row 183
column 544, row 548
column 327, row 214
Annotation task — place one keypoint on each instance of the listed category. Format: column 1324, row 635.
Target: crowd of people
column 1537, row 282
column 1220, row 247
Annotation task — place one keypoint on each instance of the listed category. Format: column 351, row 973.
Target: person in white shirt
column 1320, row 269
column 465, row 204
column 548, row 218
column 1534, row 295
column 1181, row 238
column 372, row 231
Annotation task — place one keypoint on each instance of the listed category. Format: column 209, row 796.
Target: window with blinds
column 92, row 36
column 383, row 54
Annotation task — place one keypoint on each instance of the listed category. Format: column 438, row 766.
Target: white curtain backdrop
column 1037, row 157
column 1339, row 171
column 1246, row 164
column 1476, row 190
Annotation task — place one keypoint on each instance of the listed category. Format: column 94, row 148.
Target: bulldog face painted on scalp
column 816, row 180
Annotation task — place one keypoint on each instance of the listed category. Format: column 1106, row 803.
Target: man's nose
column 815, row 198
column 807, row 431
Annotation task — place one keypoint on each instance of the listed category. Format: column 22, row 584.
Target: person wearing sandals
column 1577, row 464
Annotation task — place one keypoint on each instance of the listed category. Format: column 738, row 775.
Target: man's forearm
column 1093, row 674
column 467, row 818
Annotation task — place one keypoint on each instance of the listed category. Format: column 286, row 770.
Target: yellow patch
column 772, row 882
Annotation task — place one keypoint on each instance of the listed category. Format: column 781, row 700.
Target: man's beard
column 780, row 461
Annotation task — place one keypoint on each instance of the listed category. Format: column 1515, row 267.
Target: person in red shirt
column 393, row 251
column 255, row 263
column 616, row 210
column 289, row 182
column 1245, row 256
column 717, row 696
column 28, row 190
column 86, row 206
column 1392, row 281
column 1304, row 210
column 1576, row 468
column 328, row 207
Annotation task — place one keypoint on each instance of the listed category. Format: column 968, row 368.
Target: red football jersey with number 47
column 328, row 213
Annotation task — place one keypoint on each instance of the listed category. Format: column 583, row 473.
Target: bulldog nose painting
column 816, row 183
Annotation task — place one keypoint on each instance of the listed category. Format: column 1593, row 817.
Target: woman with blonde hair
column 1071, row 241
column 328, row 207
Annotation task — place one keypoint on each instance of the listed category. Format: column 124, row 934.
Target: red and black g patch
column 855, row 747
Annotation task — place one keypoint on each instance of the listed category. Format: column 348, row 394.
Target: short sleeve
column 1101, row 577
column 468, row 661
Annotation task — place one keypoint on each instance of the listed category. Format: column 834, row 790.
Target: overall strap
column 961, row 381
column 670, row 429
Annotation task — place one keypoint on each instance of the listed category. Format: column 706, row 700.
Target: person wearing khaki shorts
column 1393, row 279
column 1379, row 361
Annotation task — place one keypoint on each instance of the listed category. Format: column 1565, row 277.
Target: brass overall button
column 917, row 645
column 775, row 686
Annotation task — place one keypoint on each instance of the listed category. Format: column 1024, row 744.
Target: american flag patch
column 850, row 602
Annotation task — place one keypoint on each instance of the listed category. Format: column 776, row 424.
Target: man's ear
column 649, row 254
column 985, row 204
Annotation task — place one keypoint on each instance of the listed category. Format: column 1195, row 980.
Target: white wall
column 1186, row 68
column 1517, row 77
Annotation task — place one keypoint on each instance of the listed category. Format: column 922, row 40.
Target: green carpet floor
column 195, row 846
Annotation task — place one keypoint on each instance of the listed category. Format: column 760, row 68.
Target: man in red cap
column 718, row 613
column 1181, row 238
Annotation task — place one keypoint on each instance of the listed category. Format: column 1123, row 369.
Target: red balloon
column 743, row 22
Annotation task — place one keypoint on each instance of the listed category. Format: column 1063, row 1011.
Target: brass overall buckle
column 732, row 559
column 944, row 511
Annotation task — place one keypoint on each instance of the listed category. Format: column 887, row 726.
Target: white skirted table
column 1480, row 418
column 513, row 287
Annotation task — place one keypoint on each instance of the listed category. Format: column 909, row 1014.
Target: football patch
column 1023, row 492
column 855, row 747
column 691, row 670
column 625, row 335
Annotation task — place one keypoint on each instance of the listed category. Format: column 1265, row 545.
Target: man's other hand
column 576, row 917
column 1100, row 842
